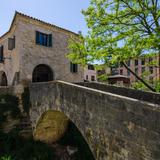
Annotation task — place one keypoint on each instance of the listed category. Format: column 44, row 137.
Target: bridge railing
column 128, row 92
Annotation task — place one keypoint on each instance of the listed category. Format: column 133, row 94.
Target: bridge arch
column 54, row 127
column 42, row 73
column 3, row 79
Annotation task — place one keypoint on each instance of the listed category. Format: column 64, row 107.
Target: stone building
column 35, row 51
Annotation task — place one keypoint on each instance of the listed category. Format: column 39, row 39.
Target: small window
column 150, row 59
column 143, row 62
column 86, row 77
column 1, row 54
column 136, row 62
column 90, row 67
column 11, row 43
column 92, row 78
column 128, row 73
column 151, row 69
column 136, row 71
column 143, row 69
column 114, row 71
column 73, row 67
column 121, row 71
column 44, row 39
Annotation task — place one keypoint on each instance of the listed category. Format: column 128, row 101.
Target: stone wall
column 11, row 62
column 115, row 127
column 55, row 56
column 6, row 90
column 20, row 62
column 133, row 93
column 12, row 90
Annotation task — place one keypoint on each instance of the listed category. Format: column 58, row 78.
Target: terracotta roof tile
column 48, row 24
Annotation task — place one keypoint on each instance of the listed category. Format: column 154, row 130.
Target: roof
column 35, row 19
column 118, row 76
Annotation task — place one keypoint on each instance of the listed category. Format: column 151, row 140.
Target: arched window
column 3, row 79
column 42, row 73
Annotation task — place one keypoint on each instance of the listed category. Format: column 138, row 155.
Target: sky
column 63, row 13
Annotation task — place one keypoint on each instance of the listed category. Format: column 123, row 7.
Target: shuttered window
column 1, row 54
column 43, row 39
column 73, row 67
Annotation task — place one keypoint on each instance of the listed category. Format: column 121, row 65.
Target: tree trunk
column 140, row 79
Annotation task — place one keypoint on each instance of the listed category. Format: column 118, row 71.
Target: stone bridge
column 116, row 127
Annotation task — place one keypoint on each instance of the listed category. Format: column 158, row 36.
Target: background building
column 90, row 73
column 145, row 67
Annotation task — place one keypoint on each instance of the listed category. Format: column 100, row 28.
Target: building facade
column 90, row 74
column 35, row 51
column 147, row 68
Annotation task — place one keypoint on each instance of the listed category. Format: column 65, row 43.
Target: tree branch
column 140, row 79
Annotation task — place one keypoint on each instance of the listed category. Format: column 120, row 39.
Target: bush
column 6, row 157
column 23, row 149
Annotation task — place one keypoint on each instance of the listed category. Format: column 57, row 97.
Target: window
column 114, row 71
column 73, row 67
column 90, row 67
column 151, row 69
column 128, row 73
column 92, row 78
column 150, row 59
column 1, row 54
column 11, row 43
column 143, row 62
column 121, row 71
column 142, row 69
column 86, row 77
column 136, row 71
column 44, row 39
column 136, row 62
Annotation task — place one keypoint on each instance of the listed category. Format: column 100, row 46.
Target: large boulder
column 51, row 126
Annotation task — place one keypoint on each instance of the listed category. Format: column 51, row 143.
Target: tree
column 119, row 30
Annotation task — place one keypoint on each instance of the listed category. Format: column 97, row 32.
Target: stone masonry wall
column 11, row 61
column 20, row 62
column 115, row 127
column 32, row 55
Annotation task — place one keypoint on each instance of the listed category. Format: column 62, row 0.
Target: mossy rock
column 51, row 126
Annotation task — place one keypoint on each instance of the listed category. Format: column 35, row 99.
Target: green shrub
column 6, row 157
column 9, row 103
column 23, row 149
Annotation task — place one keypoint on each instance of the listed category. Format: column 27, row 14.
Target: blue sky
column 64, row 13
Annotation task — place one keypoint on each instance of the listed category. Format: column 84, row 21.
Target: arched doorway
column 3, row 79
column 42, row 73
